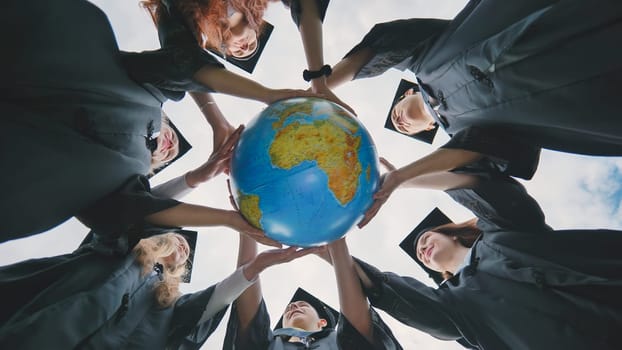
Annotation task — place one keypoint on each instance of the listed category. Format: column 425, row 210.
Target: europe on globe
column 304, row 171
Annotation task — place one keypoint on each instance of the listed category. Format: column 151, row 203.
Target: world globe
column 304, row 171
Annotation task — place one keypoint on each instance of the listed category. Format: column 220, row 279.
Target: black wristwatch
column 309, row 75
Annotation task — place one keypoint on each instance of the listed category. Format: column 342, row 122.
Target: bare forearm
column 438, row 161
column 352, row 301
column 207, row 105
column 247, row 305
column 312, row 40
column 191, row 215
column 226, row 82
column 248, row 302
column 193, row 179
column 247, row 250
column 346, row 69
column 442, row 181
column 311, row 34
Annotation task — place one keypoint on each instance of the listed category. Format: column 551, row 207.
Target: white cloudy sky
column 574, row 191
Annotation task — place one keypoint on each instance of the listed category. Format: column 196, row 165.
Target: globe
column 304, row 171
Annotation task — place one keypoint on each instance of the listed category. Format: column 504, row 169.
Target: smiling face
column 409, row 115
column 242, row 45
column 300, row 314
column 439, row 252
column 168, row 145
column 180, row 253
column 244, row 40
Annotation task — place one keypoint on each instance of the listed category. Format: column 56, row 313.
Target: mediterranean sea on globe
column 304, row 171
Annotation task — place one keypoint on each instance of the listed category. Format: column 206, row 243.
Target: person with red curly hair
column 229, row 27
column 80, row 130
column 186, row 28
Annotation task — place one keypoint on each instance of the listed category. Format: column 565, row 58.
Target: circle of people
column 504, row 80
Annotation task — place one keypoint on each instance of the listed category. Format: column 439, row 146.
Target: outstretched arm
column 221, row 128
column 217, row 163
column 185, row 214
column 310, row 27
column 252, row 265
column 441, row 160
column 227, row 82
column 346, row 69
column 248, row 302
column 394, row 44
column 441, row 181
column 352, row 300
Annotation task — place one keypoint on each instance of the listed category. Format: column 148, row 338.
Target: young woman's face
column 437, row 251
column 301, row 314
column 409, row 115
column 168, row 145
column 180, row 254
column 243, row 41
column 242, row 45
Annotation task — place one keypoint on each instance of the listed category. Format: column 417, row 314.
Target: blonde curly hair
column 150, row 251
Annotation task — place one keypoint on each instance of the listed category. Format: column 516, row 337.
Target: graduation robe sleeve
column 186, row 331
column 410, row 302
column 349, row 338
column 502, row 204
column 397, row 44
column 257, row 336
column 504, row 151
column 175, row 188
column 119, row 217
column 171, row 68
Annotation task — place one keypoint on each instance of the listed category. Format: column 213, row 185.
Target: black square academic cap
column 323, row 310
column 191, row 237
column 184, row 147
column 426, row 136
column 249, row 62
column 434, row 219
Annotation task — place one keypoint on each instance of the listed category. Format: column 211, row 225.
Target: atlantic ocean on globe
column 304, row 171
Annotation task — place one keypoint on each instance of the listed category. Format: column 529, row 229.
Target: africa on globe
column 304, row 171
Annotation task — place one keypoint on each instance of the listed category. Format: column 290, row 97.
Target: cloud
column 574, row 191
column 578, row 191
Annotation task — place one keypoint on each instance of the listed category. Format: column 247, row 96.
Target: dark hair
column 426, row 136
column 465, row 233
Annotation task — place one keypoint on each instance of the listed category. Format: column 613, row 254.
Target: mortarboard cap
column 434, row 219
column 426, row 136
column 324, row 311
column 191, row 237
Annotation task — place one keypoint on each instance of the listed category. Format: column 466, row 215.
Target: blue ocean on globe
column 304, row 171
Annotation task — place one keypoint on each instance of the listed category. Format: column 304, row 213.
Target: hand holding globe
column 304, row 171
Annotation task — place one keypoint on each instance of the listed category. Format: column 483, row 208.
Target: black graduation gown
column 518, row 75
column 526, row 286
column 75, row 124
column 171, row 67
column 117, row 221
column 92, row 299
column 259, row 335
